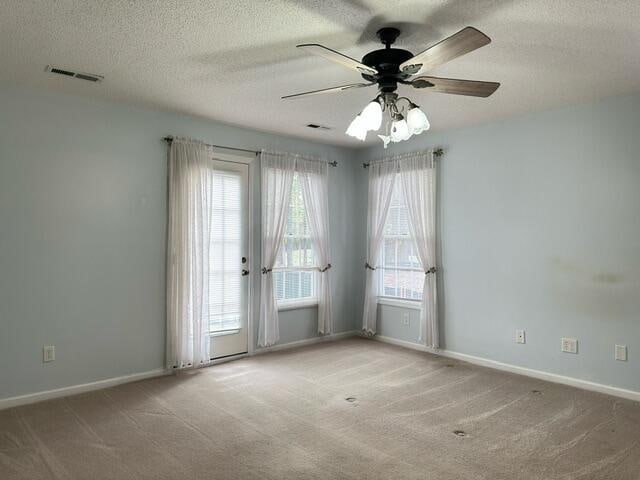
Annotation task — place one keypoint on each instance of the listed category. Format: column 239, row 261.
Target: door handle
column 245, row 273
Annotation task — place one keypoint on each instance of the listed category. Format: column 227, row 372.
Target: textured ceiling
column 231, row 60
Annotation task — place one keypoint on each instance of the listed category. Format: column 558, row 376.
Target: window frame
column 300, row 302
column 380, row 290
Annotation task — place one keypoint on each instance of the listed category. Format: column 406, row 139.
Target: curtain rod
column 170, row 139
column 437, row 152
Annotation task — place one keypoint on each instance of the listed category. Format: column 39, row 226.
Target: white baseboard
column 541, row 375
column 507, row 367
column 75, row 389
column 405, row 344
column 306, row 341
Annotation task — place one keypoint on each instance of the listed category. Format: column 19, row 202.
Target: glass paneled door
column 228, row 262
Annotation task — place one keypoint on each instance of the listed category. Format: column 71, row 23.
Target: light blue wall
column 540, row 230
column 82, row 235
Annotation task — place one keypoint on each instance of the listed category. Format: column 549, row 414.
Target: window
column 400, row 273
column 294, row 271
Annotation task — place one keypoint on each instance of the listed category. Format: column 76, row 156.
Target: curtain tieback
column 322, row 270
column 366, row 265
column 431, row 270
column 266, row 270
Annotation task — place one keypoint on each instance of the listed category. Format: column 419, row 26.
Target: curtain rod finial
column 438, row 152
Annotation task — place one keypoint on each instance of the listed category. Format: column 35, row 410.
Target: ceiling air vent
column 90, row 77
column 318, row 127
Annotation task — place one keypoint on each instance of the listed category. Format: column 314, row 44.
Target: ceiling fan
column 389, row 67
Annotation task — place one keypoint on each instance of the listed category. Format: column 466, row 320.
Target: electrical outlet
column 569, row 345
column 520, row 336
column 405, row 319
column 621, row 353
column 48, row 353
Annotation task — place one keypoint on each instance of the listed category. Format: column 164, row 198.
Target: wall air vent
column 318, row 127
column 90, row 77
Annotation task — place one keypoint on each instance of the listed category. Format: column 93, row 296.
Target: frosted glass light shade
column 399, row 131
column 357, row 128
column 417, row 121
column 372, row 115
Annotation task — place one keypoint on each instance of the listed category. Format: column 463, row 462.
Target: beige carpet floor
column 353, row 409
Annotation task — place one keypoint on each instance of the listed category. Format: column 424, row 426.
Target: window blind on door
column 224, row 299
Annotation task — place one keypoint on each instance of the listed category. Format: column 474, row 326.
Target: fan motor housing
column 386, row 61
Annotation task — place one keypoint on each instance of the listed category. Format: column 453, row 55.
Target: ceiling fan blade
column 466, row 40
column 338, row 58
column 328, row 90
column 454, row 86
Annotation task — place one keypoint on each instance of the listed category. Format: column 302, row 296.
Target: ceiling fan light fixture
column 372, row 115
column 357, row 128
column 388, row 67
column 417, row 120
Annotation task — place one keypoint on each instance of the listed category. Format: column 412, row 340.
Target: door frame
column 249, row 159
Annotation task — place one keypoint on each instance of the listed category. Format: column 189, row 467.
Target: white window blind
column 294, row 271
column 401, row 275
column 224, row 305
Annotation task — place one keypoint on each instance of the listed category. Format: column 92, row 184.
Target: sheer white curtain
column 313, row 175
column 277, row 177
column 382, row 177
column 190, row 193
column 418, row 183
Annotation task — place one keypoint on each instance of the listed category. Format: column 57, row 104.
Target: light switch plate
column 520, row 338
column 569, row 345
column 621, row 353
column 48, row 353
